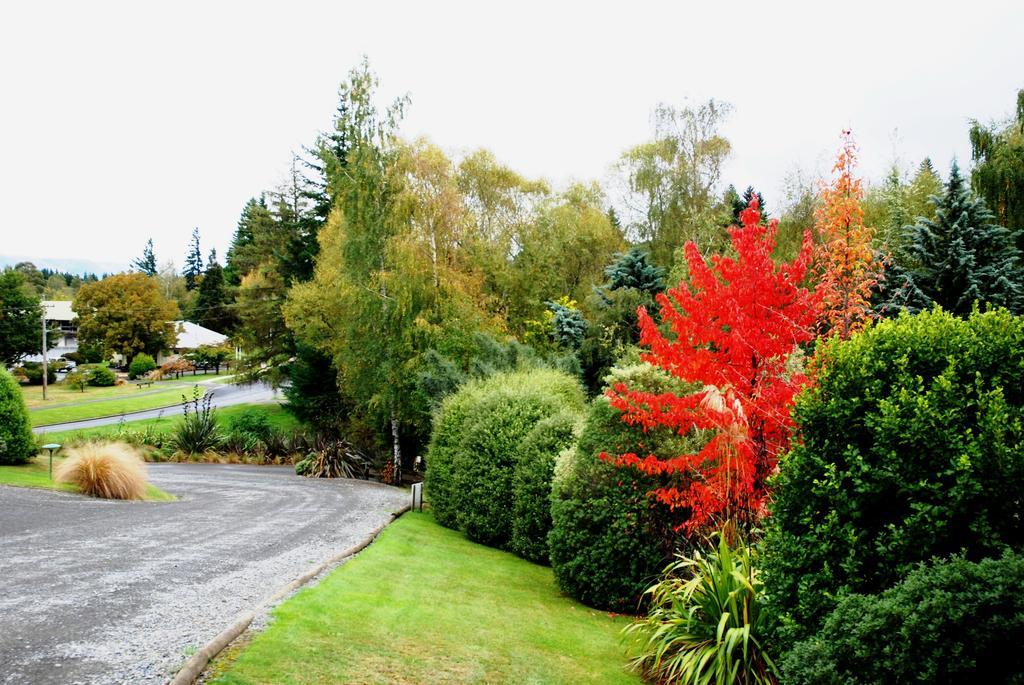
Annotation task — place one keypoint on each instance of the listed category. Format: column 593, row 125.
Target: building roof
column 192, row 335
column 58, row 310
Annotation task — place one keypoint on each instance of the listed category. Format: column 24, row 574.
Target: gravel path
column 94, row 591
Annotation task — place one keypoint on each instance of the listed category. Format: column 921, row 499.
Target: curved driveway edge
column 194, row 667
column 95, row 591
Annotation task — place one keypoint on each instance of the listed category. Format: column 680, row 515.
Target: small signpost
column 417, row 496
column 51, row 448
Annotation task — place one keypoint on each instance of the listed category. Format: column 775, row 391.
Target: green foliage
column 77, row 380
column 213, row 302
column 193, row 262
column 17, row 444
column 251, row 422
column 706, row 622
column 531, row 483
column 20, row 319
column 998, row 174
column 147, row 262
column 907, row 448
column 609, row 540
column 958, row 259
column 33, row 373
column 475, row 444
column 198, row 431
column 99, row 375
column 141, row 365
column 312, row 394
column 634, row 269
column 951, row 621
column 672, row 179
column 125, row 313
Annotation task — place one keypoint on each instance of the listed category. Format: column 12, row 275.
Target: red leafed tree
column 844, row 259
column 734, row 329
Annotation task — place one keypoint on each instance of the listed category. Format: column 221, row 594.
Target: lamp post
column 51, row 448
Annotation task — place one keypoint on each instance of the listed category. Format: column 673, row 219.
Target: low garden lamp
column 51, row 448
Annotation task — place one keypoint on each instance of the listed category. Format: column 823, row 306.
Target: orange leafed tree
column 845, row 261
column 733, row 330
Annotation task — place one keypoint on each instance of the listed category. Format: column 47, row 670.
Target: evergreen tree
column 741, row 202
column 213, row 304
column 193, row 262
column 634, row 269
column 147, row 262
column 240, row 258
column 998, row 174
column 959, row 258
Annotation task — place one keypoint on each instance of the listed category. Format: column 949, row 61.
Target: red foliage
column 734, row 328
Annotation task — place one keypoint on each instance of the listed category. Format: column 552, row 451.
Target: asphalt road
column 96, row 591
column 223, row 395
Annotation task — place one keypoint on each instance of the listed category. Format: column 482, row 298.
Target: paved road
column 95, row 591
column 223, row 395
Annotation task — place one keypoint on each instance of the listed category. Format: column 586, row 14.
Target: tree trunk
column 397, row 455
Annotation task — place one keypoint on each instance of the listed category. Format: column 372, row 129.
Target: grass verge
column 424, row 605
column 277, row 416
column 60, row 393
column 111, row 407
column 36, row 474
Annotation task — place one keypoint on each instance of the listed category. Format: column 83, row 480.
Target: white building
column 191, row 336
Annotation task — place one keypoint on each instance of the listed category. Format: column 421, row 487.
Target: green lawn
column 59, row 393
column 111, row 407
column 275, row 413
column 424, row 605
column 36, row 474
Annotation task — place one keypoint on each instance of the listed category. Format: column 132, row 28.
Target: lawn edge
column 197, row 663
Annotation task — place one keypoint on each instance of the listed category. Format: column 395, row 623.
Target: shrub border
column 197, row 663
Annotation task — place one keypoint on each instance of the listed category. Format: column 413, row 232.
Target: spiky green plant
column 198, row 432
column 705, row 622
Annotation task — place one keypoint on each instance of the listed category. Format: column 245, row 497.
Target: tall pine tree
column 193, row 262
column 960, row 258
column 213, row 303
column 147, row 262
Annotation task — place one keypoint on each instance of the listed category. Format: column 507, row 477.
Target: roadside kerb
column 195, row 665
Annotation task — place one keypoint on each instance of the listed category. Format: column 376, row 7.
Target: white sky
column 121, row 121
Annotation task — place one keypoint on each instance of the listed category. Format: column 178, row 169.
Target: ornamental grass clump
column 111, row 470
column 705, row 622
column 198, row 432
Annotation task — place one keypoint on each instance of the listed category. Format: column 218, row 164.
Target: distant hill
column 66, row 264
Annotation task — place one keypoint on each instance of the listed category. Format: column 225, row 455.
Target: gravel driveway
column 95, row 591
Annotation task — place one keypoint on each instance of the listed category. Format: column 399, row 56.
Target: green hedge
column 17, row 445
column 609, row 540
column 910, row 446
column 475, row 444
column 951, row 622
column 531, row 483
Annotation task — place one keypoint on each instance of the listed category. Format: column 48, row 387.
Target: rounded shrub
column 910, row 446
column 17, row 445
column 947, row 622
column 609, row 541
column 531, row 483
column 100, row 376
column 141, row 365
column 475, row 446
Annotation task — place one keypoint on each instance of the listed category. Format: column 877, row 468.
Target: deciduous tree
column 734, row 329
column 20, row 319
column 845, row 258
column 127, row 314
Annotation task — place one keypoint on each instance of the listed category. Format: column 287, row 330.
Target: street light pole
column 44, row 352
